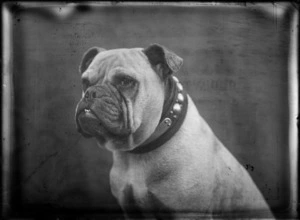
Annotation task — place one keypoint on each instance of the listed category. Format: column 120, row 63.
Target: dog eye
column 125, row 81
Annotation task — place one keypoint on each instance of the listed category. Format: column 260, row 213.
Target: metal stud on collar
column 177, row 107
column 179, row 86
column 180, row 98
column 175, row 79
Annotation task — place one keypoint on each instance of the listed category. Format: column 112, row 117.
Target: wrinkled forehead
column 128, row 59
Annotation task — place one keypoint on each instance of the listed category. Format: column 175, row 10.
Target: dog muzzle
column 101, row 113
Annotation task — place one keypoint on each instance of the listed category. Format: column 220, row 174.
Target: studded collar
column 173, row 115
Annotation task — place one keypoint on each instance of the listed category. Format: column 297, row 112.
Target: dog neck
column 173, row 115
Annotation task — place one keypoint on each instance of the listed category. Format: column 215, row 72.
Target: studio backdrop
column 239, row 68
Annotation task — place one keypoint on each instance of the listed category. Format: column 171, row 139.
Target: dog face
column 123, row 94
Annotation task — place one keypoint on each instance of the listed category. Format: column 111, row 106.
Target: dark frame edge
column 7, row 112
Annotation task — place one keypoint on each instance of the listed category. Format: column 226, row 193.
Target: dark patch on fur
column 159, row 210
column 131, row 208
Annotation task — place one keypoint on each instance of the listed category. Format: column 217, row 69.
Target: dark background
column 235, row 69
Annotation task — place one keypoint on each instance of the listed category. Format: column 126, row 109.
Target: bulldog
column 167, row 162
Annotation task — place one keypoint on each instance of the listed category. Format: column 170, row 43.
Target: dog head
column 123, row 94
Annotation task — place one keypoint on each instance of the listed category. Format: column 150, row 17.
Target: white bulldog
column 167, row 162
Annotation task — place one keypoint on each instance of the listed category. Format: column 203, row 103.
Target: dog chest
column 133, row 188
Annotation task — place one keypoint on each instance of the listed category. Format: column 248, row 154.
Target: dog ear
column 165, row 61
column 88, row 57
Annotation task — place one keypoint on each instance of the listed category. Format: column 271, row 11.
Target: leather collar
column 173, row 115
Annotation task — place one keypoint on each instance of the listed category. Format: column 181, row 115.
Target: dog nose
column 90, row 93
